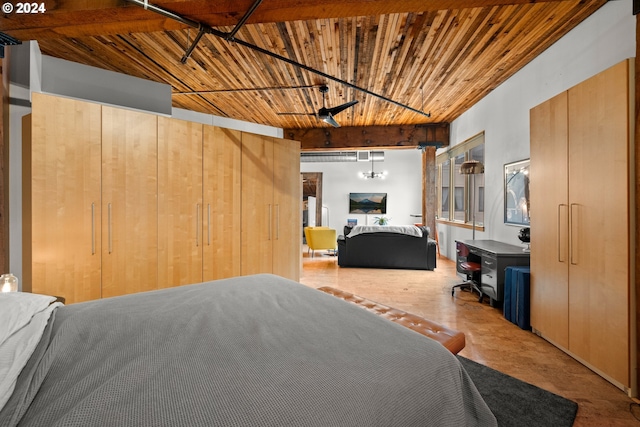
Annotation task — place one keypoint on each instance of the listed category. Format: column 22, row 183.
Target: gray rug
column 516, row 403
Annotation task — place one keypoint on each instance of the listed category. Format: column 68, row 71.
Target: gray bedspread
column 249, row 351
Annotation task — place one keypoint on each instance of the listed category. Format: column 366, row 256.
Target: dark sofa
column 384, row 249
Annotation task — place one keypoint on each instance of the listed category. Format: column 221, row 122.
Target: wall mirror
column 516, row 193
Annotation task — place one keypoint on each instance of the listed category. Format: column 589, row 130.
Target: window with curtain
column 455, row 206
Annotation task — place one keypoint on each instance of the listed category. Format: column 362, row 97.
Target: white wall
column 604, row 39
column 403, row 186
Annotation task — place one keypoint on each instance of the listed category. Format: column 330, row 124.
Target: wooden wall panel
column 287, row 218
column 129, row 201
column 257, row 204
column 549, row 221
column 63, row 192
column 179, row 202
column 599, row 216
column 222, row 198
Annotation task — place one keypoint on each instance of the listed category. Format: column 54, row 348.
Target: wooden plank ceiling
column 438, row 57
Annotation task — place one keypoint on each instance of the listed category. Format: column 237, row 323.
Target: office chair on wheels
column 471, row 270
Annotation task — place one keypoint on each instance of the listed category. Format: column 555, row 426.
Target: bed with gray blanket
column 249, row 351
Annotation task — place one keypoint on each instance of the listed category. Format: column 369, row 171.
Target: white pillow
column 23, row 318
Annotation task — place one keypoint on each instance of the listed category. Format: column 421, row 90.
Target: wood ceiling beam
column 79, row 18
column 370, row 137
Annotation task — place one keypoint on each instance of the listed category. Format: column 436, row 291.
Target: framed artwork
column 516, row 193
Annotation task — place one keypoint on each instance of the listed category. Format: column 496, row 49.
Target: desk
column 494, row 257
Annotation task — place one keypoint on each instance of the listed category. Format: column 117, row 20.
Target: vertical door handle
column 93, row 228
column 277, row 222
column 573, row 249
column 560, row 237
column 270, row 221
column 197, row 224
column 208, row 224
column 109, row 228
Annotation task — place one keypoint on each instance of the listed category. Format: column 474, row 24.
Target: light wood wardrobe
column 117, row 201
column 271, row 212
column 580, row 222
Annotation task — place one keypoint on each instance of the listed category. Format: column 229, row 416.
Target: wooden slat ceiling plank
column 436, row 43
column 425, row 42
column 153, row 49
column 455, row 65
column 158, row 55
column 505, row 40
column 569, row 15
column 446, row 86
column 402, row 74
column 507, row 68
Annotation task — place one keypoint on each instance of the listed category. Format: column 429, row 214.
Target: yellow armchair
column 321, row 238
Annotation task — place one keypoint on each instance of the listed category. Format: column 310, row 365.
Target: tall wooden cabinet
column 271, row 209
column 129, row 202
column 287, row 199
column 222, row 157
column 180, row 202
column 580, row 227
column 117, row 201
column 62, row 198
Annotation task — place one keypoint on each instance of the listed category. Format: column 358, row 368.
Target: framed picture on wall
column 516, row 193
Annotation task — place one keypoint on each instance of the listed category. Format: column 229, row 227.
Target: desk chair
column 469, row 269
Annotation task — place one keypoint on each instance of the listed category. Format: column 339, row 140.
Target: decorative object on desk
column 473, row 168
column 525, row 237
column 367, row 203
column 8, row 283
column 516, row 193
column 381, row 220
column 352, row 222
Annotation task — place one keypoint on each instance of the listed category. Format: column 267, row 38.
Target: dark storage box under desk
column 495, row 257
column 517, row 304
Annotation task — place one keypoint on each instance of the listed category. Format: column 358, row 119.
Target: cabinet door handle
column 109, row 227
column 573, row 247
column 197, row 224
column 208, row 224
column 270, row 219
column 93, row 228
column 277, row 222
column 560, row 223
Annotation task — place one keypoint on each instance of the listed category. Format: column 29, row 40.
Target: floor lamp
column 472, row 167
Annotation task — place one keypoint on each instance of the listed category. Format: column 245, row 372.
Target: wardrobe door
column 129, row 202
column 258, row 231
column 599, row 189
column 550, row 220
column 179, row 202
column 287, row 202
column 222, row 210
column 62, row 199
